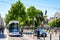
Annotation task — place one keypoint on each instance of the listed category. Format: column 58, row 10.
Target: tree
column 16, row 12
column 32, row 13
column 55, row 23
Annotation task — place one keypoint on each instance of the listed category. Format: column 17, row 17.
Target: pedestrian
column 22, row 31
column 38, row 34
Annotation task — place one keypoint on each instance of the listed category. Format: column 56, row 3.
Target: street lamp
column 38, row 17
column 33, row 21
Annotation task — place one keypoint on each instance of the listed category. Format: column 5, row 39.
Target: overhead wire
column 41, row 6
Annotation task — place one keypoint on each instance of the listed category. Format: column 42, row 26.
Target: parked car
column 42, row 32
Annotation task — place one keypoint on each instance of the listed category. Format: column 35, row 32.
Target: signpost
column 59, row 36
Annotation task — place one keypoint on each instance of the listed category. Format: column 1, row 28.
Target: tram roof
column 13, row 22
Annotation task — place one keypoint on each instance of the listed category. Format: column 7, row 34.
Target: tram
column 14, row 28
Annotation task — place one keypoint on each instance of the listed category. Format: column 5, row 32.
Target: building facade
column 57, row 15
column 1, row 21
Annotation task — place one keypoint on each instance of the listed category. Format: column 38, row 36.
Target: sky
column 52, row 6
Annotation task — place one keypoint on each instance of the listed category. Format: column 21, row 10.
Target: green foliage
column 55, row 23
column 32, row 13
column 17, row 12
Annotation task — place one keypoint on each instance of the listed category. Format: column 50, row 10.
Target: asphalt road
column 28, row 37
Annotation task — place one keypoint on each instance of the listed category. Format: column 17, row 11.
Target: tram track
column 19, row 38
column 13, row 38
column 16, row 38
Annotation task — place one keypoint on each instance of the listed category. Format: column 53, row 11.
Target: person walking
column 38, row 34
column 22, row 31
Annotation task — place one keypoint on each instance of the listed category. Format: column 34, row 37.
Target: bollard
column 59, row 36
column 44, row 38
column 38, row 37
column 55, row 32
column 50, row 37
column 33, row 36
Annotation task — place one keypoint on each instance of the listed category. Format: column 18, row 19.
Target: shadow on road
column 16, row 36
column 27, row 33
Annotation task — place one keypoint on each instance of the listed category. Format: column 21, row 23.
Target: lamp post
column 38, row 17
column 33, row 22
column 55, row 26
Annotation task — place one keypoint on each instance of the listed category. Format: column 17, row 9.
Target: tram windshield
column 14, row 27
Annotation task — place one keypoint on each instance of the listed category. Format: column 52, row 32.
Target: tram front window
column 14, row 27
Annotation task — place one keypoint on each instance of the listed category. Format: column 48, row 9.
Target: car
column 41, row 32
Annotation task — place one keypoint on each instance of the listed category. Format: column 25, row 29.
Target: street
column 29, row 19
column 29, row 37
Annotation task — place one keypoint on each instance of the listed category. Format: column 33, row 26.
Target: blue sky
column 51, row 6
